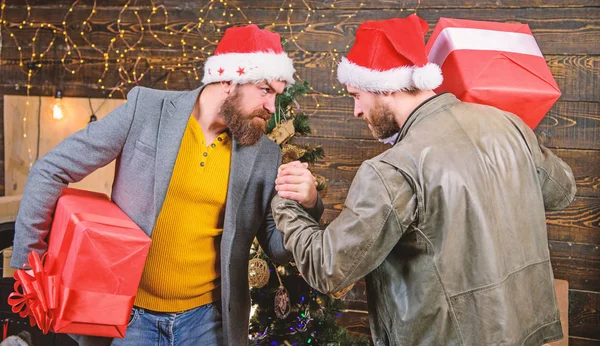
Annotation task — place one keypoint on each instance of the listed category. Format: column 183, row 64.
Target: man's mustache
column 261, row 113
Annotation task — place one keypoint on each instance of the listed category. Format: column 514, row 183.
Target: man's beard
column 382, row 121
column 245, row 129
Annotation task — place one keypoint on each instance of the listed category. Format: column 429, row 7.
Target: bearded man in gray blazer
column 197, row 174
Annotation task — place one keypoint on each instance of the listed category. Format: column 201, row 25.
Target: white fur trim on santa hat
column 242, row 68
column 427, row 77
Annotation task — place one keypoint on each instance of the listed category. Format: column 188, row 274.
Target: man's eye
column 265, row 90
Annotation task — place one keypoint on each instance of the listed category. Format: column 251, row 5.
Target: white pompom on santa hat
column 248, row 54
column 389, row 55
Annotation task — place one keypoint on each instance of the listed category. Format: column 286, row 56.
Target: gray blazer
column 144, row 136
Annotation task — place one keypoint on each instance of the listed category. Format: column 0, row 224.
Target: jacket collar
column 430, row 106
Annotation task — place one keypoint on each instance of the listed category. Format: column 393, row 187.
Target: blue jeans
column 198, row 326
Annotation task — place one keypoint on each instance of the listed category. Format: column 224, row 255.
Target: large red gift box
column 496, row 64
column 87, row 281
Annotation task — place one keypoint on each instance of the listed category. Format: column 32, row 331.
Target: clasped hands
column 294, row 181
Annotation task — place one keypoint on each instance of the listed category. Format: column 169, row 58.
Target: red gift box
column 496, row 64
column 87, row 281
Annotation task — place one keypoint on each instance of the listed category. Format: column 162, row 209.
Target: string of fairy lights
column 144, row 43
column 141, row 28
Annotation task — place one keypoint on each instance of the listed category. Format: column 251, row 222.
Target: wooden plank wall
column 567, row 31
column 23, row 151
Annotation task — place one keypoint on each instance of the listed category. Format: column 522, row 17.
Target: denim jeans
column 198, row 326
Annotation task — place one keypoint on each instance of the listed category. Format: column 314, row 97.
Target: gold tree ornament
column 290, row 152
column 258, row 273
column 282, row 132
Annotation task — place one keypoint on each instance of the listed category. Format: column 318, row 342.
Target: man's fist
column 296, row 182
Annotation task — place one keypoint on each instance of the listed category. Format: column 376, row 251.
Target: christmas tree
column 285, row 309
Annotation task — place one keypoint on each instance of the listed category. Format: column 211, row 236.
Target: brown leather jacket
column 448, row 226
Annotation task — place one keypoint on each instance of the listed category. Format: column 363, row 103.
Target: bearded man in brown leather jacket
column 448, row 226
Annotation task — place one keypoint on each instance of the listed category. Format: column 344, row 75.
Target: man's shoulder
column 396, row 152
column 144, row 93
column 393, row 159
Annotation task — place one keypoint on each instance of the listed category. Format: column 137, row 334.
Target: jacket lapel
column 174, row 117
column 242, row 165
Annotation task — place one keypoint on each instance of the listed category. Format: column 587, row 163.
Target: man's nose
column 269, row 105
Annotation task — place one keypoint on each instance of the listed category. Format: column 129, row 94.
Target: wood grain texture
column 571, row 31
column 576, row 341
column 339, row 4
column 584, row 316
column 577, row 263
column 578, row 223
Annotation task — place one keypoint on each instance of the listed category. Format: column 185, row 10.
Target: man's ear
column 227, row 86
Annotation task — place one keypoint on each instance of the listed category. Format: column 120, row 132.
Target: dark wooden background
column 567, row 31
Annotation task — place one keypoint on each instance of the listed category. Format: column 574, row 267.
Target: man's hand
column 296, row 182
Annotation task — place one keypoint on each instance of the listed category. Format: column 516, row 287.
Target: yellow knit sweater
column 183, row 266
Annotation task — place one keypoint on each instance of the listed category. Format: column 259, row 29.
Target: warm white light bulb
column 57, row 108
column 57, row 112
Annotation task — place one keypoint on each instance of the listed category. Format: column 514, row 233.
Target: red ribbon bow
column 35, row 296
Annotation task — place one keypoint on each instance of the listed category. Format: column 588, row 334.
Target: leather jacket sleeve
column 555, row 176
column 372, row 221
column 556, row 180
column 270, row 239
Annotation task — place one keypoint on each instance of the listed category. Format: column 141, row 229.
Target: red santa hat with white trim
column 389, row 55
column 248, row 54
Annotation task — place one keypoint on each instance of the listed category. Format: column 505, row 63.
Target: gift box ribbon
column 451, row 39
column 37, row 292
